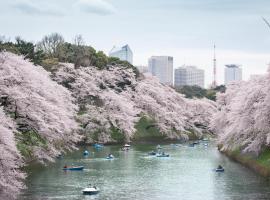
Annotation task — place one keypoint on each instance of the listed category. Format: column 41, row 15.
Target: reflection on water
column 187, row 174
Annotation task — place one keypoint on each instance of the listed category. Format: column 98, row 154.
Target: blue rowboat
column 98, row 145
column 86, row 153
column 73, row 168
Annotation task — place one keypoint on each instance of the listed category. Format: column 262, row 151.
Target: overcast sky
column 184, row 29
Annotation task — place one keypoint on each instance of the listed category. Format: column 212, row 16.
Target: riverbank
column 147, row 131
column 260, row 164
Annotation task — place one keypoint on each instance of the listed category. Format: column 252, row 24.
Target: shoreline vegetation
column 258, row 164
column 242, row 122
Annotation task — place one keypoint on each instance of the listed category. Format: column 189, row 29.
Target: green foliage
column 117, row 135
column 101, row 60
column 192, row 91
column 198, row 92
column 49, row 64
column 27, row 140
column 220, row 88
column 24, row 48
column 147, row 130
column 82, row 110
column 264, row 157
column 9, row 46
column 211, row 94
column 116, row 61
column 52, row 49
column 94, row 136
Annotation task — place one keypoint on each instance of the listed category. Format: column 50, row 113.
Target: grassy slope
column 264, row 158
column 147, row 131
column 27, row 141
column 260, row 164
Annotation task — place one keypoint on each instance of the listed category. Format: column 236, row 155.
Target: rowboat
column 73, row 168
column 220, row 170
column 91, row 190
column 86, row 153
column 163, row 155
column 97, row 146
column 110, row 157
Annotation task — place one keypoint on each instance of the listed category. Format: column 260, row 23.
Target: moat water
column 188, row 174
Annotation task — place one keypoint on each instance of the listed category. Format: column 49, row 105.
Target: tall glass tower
column 123, row 53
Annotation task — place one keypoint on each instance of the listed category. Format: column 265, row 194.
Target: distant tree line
column 198, row 92
column 53, row 49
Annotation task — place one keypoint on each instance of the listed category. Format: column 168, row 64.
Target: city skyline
column 185, row 30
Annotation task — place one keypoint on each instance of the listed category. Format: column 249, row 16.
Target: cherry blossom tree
column 176, row 116
column 10, row 160
column 113, row 97
column 104, row 99
column 39, row 118
column 242, row 122
column 37, row 104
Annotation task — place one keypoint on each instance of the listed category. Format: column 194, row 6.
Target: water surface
column 187, row 175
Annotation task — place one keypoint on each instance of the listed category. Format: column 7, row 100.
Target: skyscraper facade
column 142, row 68
column 189, row 75
column 162, row 68
column 123, row 53
column 232, row 73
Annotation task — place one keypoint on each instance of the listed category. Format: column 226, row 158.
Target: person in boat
column 163, row 153
column 110, row 155
column 219, row 167
column 65, row 166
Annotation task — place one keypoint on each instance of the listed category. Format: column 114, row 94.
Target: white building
column 123, row 53
column 189, row 75
column 162, row 68
column 142, row 68
column 232, row 73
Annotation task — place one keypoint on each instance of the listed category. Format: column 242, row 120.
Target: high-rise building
column 232, row 73
column 123, row 53
column 188, row 75
column 162, row 68
column 142, row 68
